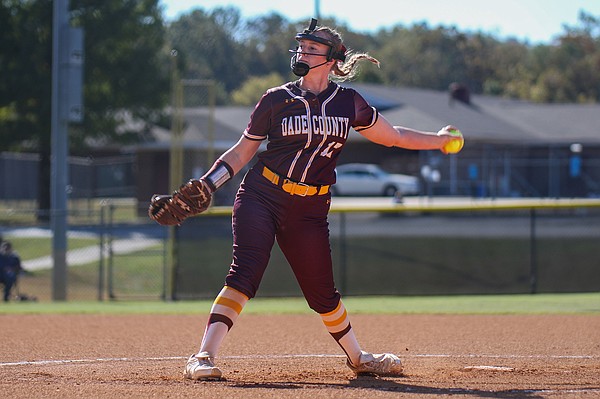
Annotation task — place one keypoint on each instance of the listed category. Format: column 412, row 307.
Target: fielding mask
column 301, row 68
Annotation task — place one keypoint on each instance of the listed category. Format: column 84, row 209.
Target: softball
column 454, row 146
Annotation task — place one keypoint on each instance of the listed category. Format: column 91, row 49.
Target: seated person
column 10, row 268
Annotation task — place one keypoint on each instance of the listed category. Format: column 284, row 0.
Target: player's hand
column 453, row 139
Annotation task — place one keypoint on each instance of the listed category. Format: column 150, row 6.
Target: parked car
column 370, row 180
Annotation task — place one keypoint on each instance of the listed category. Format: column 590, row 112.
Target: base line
column 290, row 356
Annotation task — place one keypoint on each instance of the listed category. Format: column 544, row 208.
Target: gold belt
column 292, row 187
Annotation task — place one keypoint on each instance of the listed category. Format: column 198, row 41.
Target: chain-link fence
column 407, row 250
column 90, row 178
column 111, row 254
column 193, row 119
column 498, row 173
column 419, row 252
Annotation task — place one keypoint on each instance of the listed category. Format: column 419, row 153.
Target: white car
column 369, row 180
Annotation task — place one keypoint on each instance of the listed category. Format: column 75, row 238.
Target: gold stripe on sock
column 232, row 293
column 337, row 321
column 230, row 303
column 333, row 311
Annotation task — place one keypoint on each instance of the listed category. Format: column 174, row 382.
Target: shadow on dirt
column 396, row 385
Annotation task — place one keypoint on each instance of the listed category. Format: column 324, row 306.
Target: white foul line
column 408, row 389
column 290, row 356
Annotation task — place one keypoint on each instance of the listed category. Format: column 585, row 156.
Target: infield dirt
column 292, row 356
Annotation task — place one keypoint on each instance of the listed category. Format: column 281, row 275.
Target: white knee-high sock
column 224, row 312
column 338, row 325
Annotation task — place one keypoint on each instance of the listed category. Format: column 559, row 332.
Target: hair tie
column 341, row 55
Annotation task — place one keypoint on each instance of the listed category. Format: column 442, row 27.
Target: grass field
column 35, row 247
column 584, row 303
column 404, row 267
column 457, row 255
column 513, row 345
column 416, row 266
column 138, row 274
column 82, row 211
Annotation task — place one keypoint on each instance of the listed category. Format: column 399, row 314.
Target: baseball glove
column 192, row 198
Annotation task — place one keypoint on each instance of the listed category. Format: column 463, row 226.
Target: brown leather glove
column 192, row 198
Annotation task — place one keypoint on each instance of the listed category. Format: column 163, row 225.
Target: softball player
column 285, row 196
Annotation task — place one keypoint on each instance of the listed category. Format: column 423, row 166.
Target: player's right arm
column 196, row 195
column 240, row 153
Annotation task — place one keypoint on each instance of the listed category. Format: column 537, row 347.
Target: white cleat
column 201, row 367
column 379, row 364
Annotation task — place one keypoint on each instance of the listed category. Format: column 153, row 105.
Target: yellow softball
column 454, row 146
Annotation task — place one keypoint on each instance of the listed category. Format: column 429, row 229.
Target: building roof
column 489, row 119
column 485, row 119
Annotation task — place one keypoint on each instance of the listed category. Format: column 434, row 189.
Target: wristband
column 220, row 173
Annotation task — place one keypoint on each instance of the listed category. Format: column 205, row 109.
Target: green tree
column 208, row 43
column 220, row 45
column 125, row 73
column 578, row 57
column 9, row 50
column 25, row 107
column 508, row 72
column 268, row 41
column 26, row 58
column 253, row 89
column 126, row 69
column 422, row 57
column 565, row 71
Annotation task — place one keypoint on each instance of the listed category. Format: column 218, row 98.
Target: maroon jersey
column 305, row 132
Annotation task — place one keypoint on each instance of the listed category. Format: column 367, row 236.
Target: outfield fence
column 423, row 246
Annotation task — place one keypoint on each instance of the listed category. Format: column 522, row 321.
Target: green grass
column 583, row 303
column 81, row 211
column 137, row 274
column 416, row 266
column 35, row 247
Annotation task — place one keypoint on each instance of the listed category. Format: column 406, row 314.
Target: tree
column 25, row 109
column 269, row 39
column 125, row 71
column 126, row 68
column 422, row 57
column 208, row 44
column 27, row 59
column 9, row 50
column 252, row 90
column 565, row 71
column 578, row 58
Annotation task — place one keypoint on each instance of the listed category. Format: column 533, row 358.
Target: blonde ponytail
column 348, row 69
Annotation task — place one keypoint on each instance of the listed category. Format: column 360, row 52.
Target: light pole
column 67, row 106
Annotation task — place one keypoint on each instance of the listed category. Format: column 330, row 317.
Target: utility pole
column 67, row 78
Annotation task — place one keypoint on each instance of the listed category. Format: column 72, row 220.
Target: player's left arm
column 382, row 132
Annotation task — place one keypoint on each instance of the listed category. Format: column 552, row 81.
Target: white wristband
column 218, row 175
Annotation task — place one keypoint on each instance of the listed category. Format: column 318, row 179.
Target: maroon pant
column 263, row 212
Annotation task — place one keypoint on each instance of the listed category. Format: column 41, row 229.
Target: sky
column 534, row 21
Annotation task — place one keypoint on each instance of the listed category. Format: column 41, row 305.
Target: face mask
column 301, row 68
